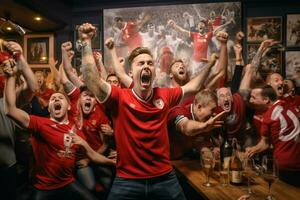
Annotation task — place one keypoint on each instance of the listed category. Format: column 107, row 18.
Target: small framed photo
column 270, row 62
column 262, row 28
column 38, row 49
column 292, row 66
column 293, row 30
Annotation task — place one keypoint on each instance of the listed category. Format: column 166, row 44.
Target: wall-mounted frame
column 147, row 26
column 38, row 49
column 261, row 28
column 293, row 30
column 292, row 66
column 270, row 62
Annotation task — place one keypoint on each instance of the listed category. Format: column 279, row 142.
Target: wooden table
column 191, row 170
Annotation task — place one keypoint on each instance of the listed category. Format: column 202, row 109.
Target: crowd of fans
column 113, row 135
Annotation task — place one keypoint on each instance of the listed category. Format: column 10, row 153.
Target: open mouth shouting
column 227, row 106
column 57, row 108
column 87, row 107
column 146, row 78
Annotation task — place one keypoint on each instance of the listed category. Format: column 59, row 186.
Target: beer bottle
column 225, row 148
column 235, row 166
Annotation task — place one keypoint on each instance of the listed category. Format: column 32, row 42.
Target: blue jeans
column 159, row 188
column 72, row 191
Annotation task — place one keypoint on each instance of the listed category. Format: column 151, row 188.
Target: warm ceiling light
column 8, row 28
column 38, row 18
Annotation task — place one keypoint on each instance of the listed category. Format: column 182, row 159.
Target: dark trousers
column 8, row 183
column 164, row 187
column 72, row 191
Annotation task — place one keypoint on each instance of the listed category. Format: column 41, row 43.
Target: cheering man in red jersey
column 139, row 116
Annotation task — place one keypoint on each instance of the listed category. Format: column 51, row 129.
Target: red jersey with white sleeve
column 201, row 42
column 140, row 128
column 235, row 120
column 131, row 36
column 54, row 152
column 293, row 101
column 179, row 142
column 281, row 124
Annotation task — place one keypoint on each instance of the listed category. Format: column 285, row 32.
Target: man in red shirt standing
column 144, row 169
column 280, row 126
column 54, row 152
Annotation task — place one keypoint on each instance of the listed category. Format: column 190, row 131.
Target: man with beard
column 187, row 123
column 144, row 169
column 281, row 127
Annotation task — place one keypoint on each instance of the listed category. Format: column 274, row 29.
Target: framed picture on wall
column 293, row 30
column 271, row 61
column 149, row 27
column 261, row 28
column 38, row 49
column 292, row 66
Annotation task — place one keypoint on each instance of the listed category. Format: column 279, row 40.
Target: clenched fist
column 86, row 32
column 222, row 37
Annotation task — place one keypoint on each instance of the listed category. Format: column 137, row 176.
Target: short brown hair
column 204, row 97
column 138, row 51
column 175, row 60
column 268, row 91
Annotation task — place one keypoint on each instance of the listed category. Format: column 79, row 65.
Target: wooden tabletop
column 191, row 170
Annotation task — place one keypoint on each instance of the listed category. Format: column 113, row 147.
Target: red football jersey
column 293, row 101
column 141, row 131
column 201, row 42
column 54, row 152
column 281, row 124
column 91, row 124
column 131, row 36
column 235, row 120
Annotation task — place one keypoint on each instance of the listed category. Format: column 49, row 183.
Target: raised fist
column 109, row 43
column 13, row 47
column 171, row 23
column 86, row 32
column 222, row 37
column 9, row 67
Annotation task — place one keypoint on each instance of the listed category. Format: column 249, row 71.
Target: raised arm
column 196, row 83
column 221, row 68
column 172, row 24
column 20, row 116
column 259, row 54
column 100, row 66
column 94, row 82
column 67, row 54
column 118, row 64
column 22, row 65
